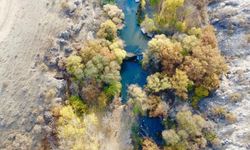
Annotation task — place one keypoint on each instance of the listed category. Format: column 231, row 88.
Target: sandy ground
column 25, row 28
column 34, row 32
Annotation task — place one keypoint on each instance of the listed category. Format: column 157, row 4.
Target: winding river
column 132, row 71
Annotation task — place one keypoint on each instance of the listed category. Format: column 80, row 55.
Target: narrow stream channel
column 132, row 71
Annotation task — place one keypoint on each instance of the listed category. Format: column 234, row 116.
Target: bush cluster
column 191, row 132
column 223, row 113
column 145, row 104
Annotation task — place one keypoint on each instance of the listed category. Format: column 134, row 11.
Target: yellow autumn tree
column 75, row 66
column 167, row 15
column 108, row 30
column 180, row 83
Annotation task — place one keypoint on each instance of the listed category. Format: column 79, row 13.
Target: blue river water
column 132, row 71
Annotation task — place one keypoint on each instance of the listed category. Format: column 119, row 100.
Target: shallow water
column 132, row 72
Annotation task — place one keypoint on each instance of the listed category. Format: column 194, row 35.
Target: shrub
column 142, row 104
column 191, row 132
column 117, row 48
column 148, row 24
column 195, row 31
column 230, row 118
column 75, row 66
column 137, row 99
column 87, row 94
column 156, row 106
column 113, row 89
column 143, row 3
column 219, row 111
column 170, row 137
column 186, row 122
column 181, row 26
column 223, row 113
column 199, row 93
column 235, row 97
column 69, row 124
column 108, row 30
column 180, row 83
column 115, row 14
column 102, row 101
column 154, row 2
column 158, row 82
column 149, row 144
column 78, row 106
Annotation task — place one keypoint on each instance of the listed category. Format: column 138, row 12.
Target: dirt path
column 25, row 28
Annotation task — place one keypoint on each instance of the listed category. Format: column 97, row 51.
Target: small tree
column 158, row 82
column 148, row 24
column 180, row 83
column 108, row 30
column 75, row 66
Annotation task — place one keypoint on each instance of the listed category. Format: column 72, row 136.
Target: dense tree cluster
column 185, row 61
column 192, row 132
column 97, row 66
